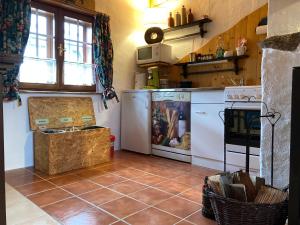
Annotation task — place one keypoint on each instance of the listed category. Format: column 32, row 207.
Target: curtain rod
column 69, row 6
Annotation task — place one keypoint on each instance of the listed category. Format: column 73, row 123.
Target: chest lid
column 60, row 112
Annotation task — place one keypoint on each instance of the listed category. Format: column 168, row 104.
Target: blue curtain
column 14, row 32
column 103, row 58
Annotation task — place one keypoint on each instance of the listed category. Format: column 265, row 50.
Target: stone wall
column 280, row 55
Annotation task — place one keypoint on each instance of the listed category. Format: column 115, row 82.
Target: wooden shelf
column 199, row 23
column 160, row 64
column 233, row 59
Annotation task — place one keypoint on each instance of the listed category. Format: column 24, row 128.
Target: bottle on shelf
column 183, row 15
column 190, row 16
column 171, row 20
column 220, row 48
column 177, row 19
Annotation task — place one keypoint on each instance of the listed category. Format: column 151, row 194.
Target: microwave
column 154, row 53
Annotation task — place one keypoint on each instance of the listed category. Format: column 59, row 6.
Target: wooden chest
column 65, row 137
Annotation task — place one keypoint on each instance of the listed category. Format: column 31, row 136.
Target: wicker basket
column 207, row 210
column 231, row 212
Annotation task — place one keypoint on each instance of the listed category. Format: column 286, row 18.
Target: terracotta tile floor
column 132, row 189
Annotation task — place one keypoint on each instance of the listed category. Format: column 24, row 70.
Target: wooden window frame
column 59, row 14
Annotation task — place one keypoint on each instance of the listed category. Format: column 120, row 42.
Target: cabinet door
column 207, row 131
column 135, row 122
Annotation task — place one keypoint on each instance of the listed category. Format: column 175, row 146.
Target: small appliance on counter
column 154, row 53
column 153, row 78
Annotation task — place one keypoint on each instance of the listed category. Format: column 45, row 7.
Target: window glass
column 78, row 68
column 39, row 64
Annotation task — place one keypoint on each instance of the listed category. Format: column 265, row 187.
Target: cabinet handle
column 201, row 113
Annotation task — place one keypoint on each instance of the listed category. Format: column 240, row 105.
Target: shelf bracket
column 185, row 70
column 202, row 30
column 236, row 66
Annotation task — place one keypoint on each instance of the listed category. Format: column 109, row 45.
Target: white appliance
column 242, row 127
column 136, row 121
column 171, row 125
column 154, row 53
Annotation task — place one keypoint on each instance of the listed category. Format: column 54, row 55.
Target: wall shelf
column 199, row 23
column 234, row 59
column 159, row 64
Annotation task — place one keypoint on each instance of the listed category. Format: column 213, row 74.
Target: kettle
column 153, row 78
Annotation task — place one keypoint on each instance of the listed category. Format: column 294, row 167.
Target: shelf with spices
column 234, row 59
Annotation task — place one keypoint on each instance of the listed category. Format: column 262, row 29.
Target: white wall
column 284, row 17
column 225, row 14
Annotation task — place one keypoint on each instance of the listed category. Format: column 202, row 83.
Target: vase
column 241, row 50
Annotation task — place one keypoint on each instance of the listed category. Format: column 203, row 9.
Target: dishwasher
column 171, row 125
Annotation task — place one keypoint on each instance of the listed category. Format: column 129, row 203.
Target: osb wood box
column 78, row 145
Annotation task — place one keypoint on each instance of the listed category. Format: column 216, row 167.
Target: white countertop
column 176, row 89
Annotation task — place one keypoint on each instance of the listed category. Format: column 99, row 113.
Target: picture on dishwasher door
column 171, row 124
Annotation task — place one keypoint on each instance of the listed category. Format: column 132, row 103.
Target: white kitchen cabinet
column 209, row 97
column 207, row 129
column 136, row 121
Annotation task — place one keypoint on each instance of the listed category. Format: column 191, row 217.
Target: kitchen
column 164, row 89
column 211, row 94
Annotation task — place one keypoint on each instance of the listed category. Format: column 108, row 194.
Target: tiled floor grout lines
column 115, row 170
column 123, row 195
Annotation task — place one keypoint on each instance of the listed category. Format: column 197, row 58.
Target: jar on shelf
column 177, row 19
column 171, row 22
column 190, row 16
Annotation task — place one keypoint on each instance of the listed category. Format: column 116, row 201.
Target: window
column 78, row 52
column 58, row 55
column 40, row 50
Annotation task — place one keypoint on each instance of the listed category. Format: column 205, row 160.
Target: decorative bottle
column 178, row 19
column 190, row 16
column 171, row 20
column 220, row 48
column 183, row 15
column 181, row 124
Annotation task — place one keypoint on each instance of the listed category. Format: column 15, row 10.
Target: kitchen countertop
column 176, row 89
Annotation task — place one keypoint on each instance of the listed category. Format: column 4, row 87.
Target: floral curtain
column 14, row 33
column 103, row 58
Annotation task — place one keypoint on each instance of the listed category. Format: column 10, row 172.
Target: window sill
column 59, row 92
